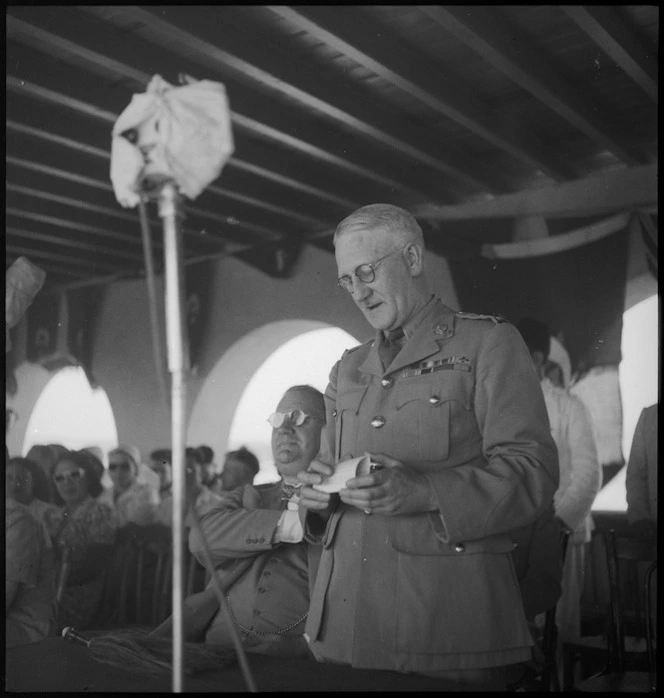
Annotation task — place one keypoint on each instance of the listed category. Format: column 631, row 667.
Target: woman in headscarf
column 83, row 530
column 134, row 501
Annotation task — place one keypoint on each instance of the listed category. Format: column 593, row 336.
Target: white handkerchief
column 345, row 471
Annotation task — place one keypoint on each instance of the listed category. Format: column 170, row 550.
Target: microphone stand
column 163, row 189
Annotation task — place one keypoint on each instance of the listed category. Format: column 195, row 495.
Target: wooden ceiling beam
column 53, row 269
column 610, row 192
column 22, row 234
column 376, row 51
column 622, row 45
column 106, row 155
column 482, row 30
column 66, row 259
column 69, row 52
column 333, row 101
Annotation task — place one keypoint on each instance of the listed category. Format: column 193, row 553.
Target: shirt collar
column 416, row 320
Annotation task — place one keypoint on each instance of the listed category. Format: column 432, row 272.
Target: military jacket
column 461, row 403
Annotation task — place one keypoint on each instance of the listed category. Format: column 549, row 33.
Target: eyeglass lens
column 115, row 466
column 297, row 417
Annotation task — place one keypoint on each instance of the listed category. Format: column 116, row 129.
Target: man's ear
column 414, row 256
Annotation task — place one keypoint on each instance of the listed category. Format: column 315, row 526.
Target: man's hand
column 316, row 501
column 391, row 490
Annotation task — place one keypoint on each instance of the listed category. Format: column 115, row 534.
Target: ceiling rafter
column 375, row 51
column 492, row 41
column 106, row 155
column 68, row 51
column 622, row 45
column 54, row 269
column 67, row 259
column 330, row 101
column 60, row 241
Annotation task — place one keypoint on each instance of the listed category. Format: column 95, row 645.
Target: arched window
column 247, row 382
column 304, row 360
column 71, row 413
column 639, row 385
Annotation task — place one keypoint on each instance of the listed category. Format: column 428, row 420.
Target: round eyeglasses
column 296, row 417
column 366, row 273
column 74, row 474
column 122, row 466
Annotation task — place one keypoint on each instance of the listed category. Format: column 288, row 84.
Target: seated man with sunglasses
column 256, row 539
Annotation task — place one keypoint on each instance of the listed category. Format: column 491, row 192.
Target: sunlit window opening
column 71, row 413
column 639, row 380
column 303, row 360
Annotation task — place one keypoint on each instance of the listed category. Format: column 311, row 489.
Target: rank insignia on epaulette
column 443, row 331
column 479, row 316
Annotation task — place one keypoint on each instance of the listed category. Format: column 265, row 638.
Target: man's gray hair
column 386, row 217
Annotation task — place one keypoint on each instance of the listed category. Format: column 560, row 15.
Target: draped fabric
column 579, row 293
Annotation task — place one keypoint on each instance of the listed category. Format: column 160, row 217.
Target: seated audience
column 95, row 457
column 255, row 538
column 641, row 476
column 26, row 482
column 29, row 577
column 45, row 458
column 204, row 457
column 240, row 468
column 83, row 530
column 145, row 473
column 134, row 501
column 205, row 497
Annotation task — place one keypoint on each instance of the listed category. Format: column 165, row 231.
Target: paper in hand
column 345, row 471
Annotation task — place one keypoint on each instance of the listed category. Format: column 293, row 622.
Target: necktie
column 287, row 491
column 390, row 346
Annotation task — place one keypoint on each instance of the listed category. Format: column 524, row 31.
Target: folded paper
column 345, row 471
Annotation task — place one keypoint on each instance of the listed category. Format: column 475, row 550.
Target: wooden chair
column 630, row 666
column 546, row 680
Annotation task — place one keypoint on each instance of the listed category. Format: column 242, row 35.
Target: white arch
column 212, row 414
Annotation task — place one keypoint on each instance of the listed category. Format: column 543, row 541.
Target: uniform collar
column 433, row 324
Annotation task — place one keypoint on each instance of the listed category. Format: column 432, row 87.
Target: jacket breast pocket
column 427, row 414
column 346, row 416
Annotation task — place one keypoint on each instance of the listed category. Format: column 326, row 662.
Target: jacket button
column 249, row 541
column 261, row 590
column 334, row 413
column 459, row 547
column 387, row 382
column 261, row 540
column 434, row 400
column 378, row 422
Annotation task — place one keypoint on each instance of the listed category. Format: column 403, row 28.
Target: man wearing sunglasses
column 256, row 538
column 415, row 572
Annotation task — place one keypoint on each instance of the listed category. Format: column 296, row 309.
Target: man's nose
column 360, row 290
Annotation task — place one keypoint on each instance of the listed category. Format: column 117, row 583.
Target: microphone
column 73, row 635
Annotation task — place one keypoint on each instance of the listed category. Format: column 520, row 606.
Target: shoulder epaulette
column 478, row 316
column 369, row 342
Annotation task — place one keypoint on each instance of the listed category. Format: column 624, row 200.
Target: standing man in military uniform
column 415, row 573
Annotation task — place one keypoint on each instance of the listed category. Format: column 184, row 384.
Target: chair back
column 624, row 556
column 550, row 635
